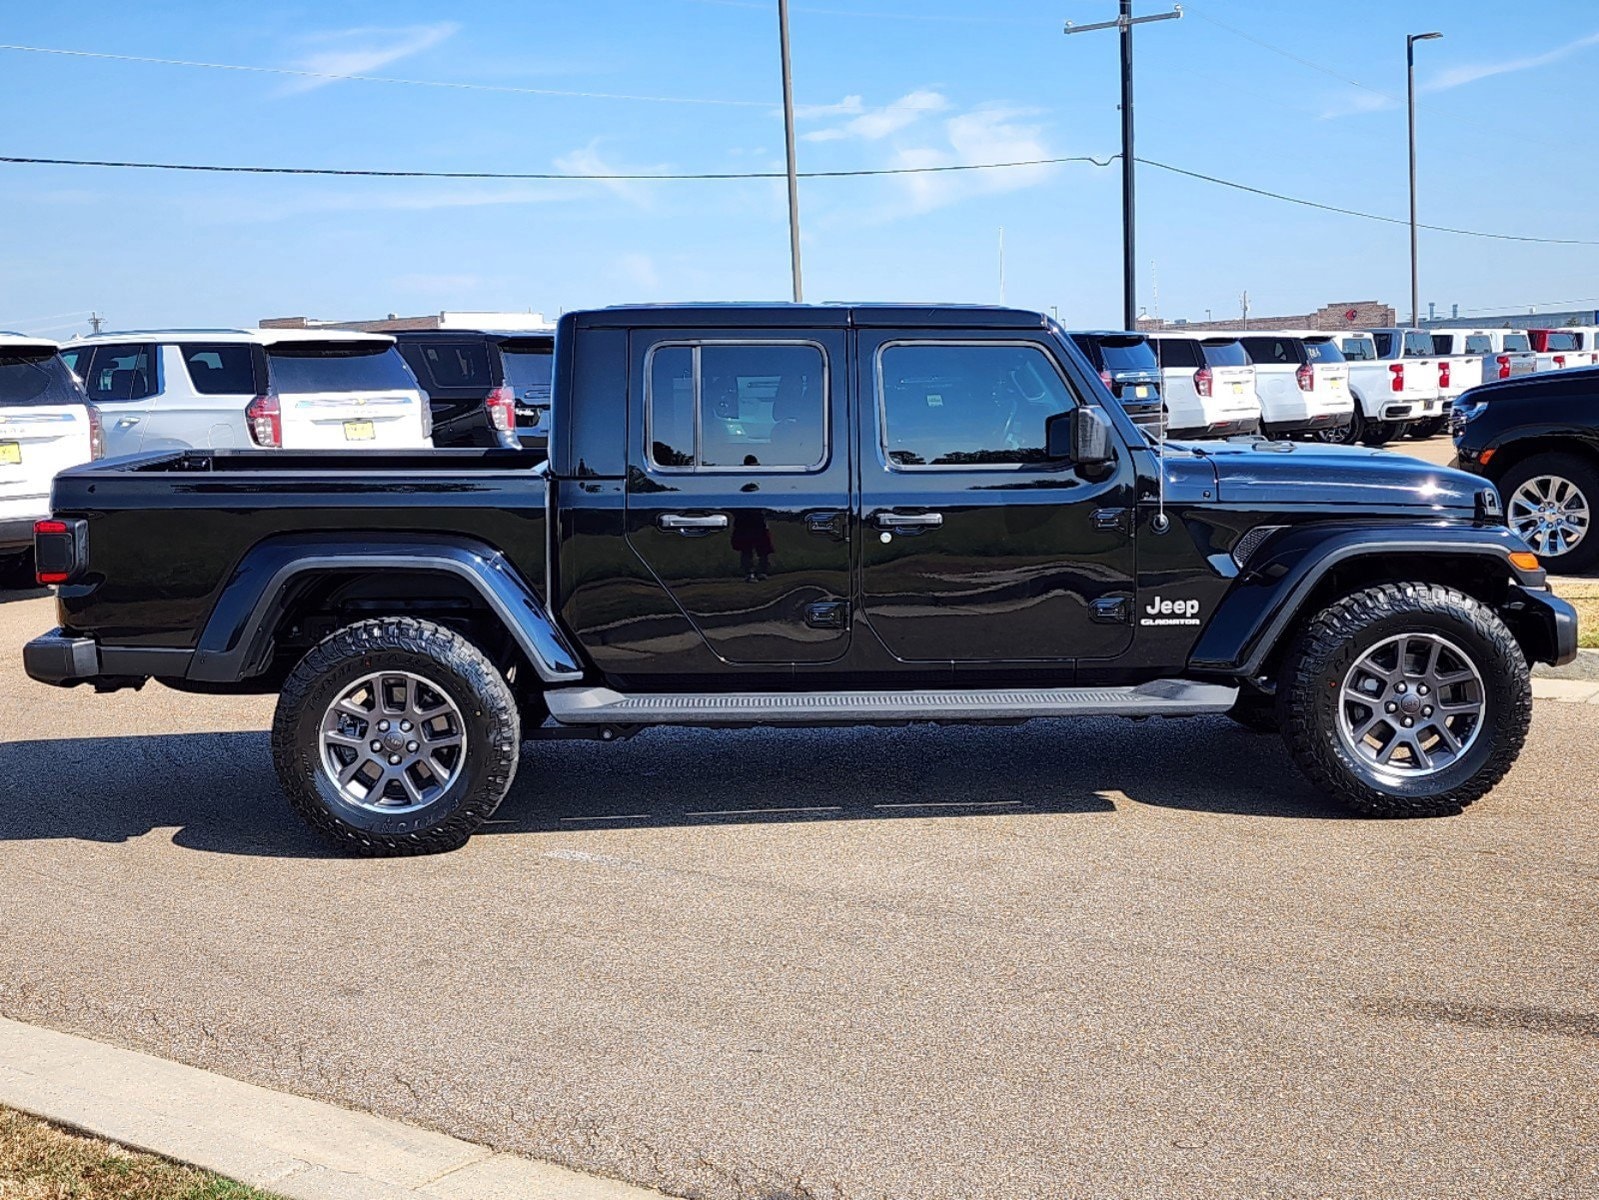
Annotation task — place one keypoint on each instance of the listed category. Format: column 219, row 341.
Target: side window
column 725, row 406
column 221, row 368
column 76, row 358
column 1178, row 352
column 960, row 405
column 121, row 373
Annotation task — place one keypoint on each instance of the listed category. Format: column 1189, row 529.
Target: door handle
column 908, row 522
column 829, row 524
column 690, row 526
column 127, row 422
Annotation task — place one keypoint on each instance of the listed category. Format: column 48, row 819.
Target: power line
column 710, row 176
column 335, row 76
column 1353, row 212
column 524, row 176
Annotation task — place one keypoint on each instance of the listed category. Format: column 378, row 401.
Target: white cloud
column 364, row 50
column 639, row 271
column 874, row 124
column 1455, row 77
column 1359, row 102
column 987, row 134
column 587, row 160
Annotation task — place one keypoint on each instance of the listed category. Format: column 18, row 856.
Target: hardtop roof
column 779, row 315
column 251, row 336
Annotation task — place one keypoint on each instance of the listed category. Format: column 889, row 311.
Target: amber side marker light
column 1487, row 454
column 1524, row 559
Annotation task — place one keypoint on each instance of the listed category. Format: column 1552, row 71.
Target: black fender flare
column 1271, row 591
column 238, row 632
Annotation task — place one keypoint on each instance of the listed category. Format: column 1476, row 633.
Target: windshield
column 1362, row 349
column 339, row 367
column 1418, row 345
column 35, row 377
column 528, row 371
column 1128, row 354
column 1225, row 353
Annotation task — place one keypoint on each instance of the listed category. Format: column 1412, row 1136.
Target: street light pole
column 793, row 173
column 1410, row 72
column 1124, row 24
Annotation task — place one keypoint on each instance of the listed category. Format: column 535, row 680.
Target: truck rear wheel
column 1550, row 500
column 1406, row 700
column 395, row 737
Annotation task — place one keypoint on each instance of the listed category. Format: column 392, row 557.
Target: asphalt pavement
column 1085, row 959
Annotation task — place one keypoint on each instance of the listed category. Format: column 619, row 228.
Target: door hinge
column 1110, row 518
column 827, row 614
column 1111, row 610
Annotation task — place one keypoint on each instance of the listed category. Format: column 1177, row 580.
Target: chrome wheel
column 393, row 742
column 1551, row 513
column 1410, row 707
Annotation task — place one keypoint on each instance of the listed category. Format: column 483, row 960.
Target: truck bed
column 166, row 532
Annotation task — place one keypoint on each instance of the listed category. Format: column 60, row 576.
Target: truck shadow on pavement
column 7, row 595
column 218, row 790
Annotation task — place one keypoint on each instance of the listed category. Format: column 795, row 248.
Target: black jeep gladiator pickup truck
column 793, row 515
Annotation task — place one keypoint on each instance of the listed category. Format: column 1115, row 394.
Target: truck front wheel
column 1406, row 700
column 395, row 737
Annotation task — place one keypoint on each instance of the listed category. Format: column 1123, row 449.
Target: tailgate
column 352, row 421
column 35, row 443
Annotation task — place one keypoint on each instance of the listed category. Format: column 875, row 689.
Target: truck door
column 974, row 546
column 738, row 497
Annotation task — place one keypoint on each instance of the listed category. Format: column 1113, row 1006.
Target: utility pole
column 1124, row 23
column 1410, row 70
column 1244, row 301
column 793, row 173
column 95, row 322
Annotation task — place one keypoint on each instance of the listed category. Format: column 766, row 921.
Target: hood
column 1268, row 474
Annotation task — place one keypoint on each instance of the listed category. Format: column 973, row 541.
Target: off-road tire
column 1585, row 475
column 451, row 665
column 1317, row 664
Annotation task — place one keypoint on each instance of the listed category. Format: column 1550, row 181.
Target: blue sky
column 1507, row 111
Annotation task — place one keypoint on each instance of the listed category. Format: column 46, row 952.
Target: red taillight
column 265, row 418
column 48, row 568
column 1443, row 374
column 1104, row 377
column 1504, row 366
column 1305, row 377
column 501, row 405
column 1560, row 362
column 96, row 434
column 1203, row 380
column 1396, row 373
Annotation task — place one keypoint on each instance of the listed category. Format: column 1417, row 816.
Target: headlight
column 1465, row 411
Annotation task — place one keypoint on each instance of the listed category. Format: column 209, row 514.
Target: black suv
column 1127, row 365
column 1537, row 439
column 487, row 389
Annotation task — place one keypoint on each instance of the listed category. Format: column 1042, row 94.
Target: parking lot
column 1060, row 959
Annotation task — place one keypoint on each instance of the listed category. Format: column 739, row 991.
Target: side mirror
column 1081, row 436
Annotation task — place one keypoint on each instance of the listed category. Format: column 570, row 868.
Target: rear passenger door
column 206, row 386
column 738, row 497
column 121, row 380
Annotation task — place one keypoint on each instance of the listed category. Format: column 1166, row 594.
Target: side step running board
column 1161, row 698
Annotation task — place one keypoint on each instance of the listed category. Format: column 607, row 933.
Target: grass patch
column 1584, row 597
column 39, row 1161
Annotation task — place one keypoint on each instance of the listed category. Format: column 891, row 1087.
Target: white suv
column 1302, row 380
column 46, row 425
column 292, row 389
column 1207, row 384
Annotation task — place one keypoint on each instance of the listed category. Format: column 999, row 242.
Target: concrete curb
column 1572, row 691
column 296, row 1148
column 1586, row 666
